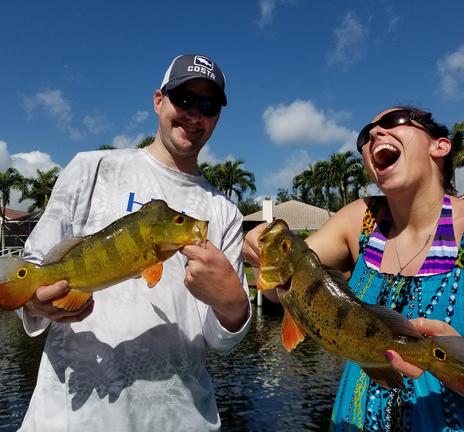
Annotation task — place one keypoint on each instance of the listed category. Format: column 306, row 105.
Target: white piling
column 267, row 216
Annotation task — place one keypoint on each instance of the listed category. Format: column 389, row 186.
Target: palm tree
column 9, row 179
column 210, row 173
column 106, row 147
column 40, row 188
column 360, row 181
column 341, row 168
column 457, row 144
column 229, row 178
column 235, row 180
column 144, row 142
column 311, row 186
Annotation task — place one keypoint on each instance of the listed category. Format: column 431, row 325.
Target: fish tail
column 15, row 288
column 448, row 361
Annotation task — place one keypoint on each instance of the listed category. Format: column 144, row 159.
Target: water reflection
column 259, row 386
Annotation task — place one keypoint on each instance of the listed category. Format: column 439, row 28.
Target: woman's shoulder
column 359, row 207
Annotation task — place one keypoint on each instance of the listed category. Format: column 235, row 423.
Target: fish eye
column 439, row 354
column 179, row 219
column 21, row 273
column 285, row 246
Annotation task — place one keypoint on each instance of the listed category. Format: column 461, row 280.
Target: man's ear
column 440, row 147
column 157, row 99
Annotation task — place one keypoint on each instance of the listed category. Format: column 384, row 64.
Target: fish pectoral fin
column 153, row 274
column 292, row 334
column 72, row 301
column 385, row 376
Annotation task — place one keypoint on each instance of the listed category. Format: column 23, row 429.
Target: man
column 133, row 358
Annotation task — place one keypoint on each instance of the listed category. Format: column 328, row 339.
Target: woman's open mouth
column 385, row 155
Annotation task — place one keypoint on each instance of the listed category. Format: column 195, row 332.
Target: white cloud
column 5, row 159
column 296, row 163
column 451, row 71
column 52, row 103
column 267, row 10
column 301, row 122
column 207, row 155
column 27, row 165
column 95, row 124
column 350, row 41
column 124, row 141
column 138, row 117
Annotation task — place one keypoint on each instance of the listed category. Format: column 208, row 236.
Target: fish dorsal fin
column 57, row 252
column 385, row 376
column 336, row 276
column 397, row 323
column 292, row 334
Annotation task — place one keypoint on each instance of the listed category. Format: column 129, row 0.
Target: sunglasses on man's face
column 185, row 99
column 389, row 121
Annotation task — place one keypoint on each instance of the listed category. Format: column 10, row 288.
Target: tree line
column 329, row 184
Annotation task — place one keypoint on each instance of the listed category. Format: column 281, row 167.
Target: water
column 259, row 386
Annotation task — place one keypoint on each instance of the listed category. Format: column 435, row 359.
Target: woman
column 401, row 250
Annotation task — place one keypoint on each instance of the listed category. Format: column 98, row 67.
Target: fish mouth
column 282, row 290
column 201, row 231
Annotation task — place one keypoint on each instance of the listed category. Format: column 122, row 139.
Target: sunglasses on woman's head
column 389, row 121
column 185, row 99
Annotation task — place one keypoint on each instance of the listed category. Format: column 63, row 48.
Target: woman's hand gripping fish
column 132, row 246
column 318, row 302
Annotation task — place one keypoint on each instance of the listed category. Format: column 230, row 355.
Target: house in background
column 18, row 226
column 299, row 216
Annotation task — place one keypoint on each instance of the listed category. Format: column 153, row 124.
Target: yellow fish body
column 134, row 245
column 318, row 302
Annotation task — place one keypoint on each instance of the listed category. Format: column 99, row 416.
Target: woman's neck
column 416, row 212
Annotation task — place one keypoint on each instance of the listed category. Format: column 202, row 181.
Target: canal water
column 259, row 386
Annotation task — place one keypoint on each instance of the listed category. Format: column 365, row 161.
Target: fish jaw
column 200, row 231
column 271, row 277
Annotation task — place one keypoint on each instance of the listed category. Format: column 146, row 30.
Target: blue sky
column 302, row 76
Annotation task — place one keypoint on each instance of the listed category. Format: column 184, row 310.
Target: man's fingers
column 49, row 292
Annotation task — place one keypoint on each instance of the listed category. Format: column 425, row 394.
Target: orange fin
column 292, row 334
column 72, row 301
column 153, row 274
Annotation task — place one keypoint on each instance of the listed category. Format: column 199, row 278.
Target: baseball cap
column 190, row 66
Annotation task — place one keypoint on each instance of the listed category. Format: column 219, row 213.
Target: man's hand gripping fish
column 319, row 303
column 132, row 246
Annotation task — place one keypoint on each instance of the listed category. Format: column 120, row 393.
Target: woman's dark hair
column 436, row 130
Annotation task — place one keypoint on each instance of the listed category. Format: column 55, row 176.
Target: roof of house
column 15, row 214
column 298, row 215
